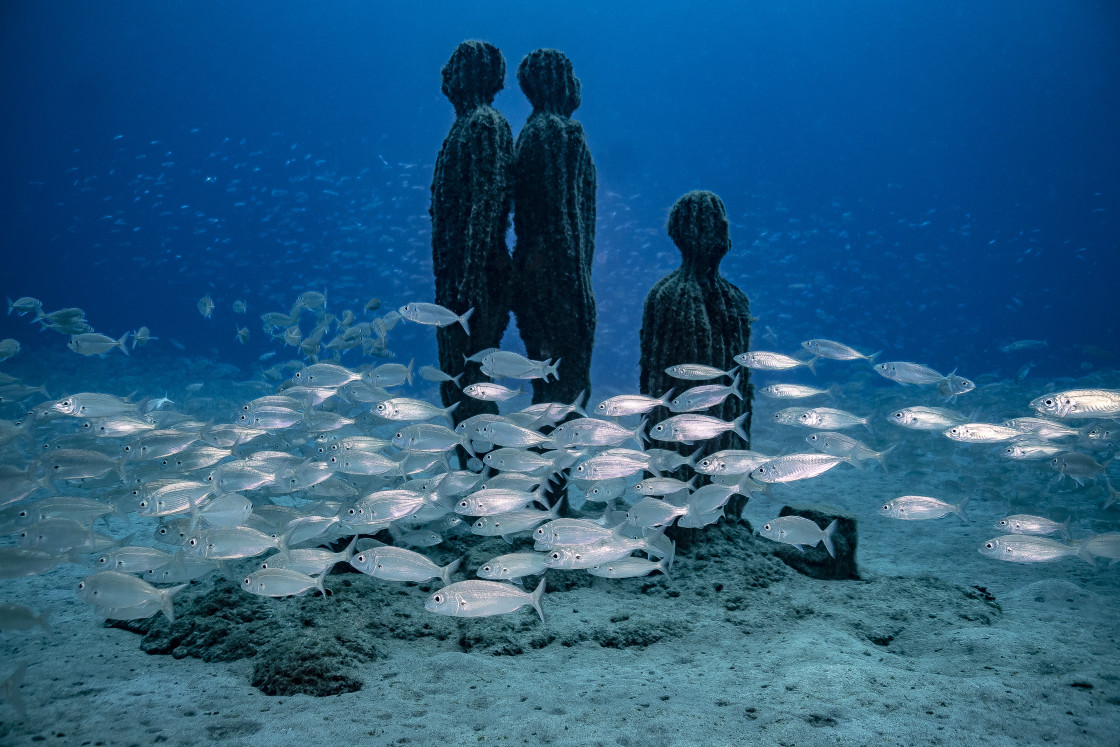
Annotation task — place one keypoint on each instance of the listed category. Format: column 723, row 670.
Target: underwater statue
column 470, row 218
column 694, row 315
column 554, row 219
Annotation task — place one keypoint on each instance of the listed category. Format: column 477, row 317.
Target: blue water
column 935, row 181
column 930, row 182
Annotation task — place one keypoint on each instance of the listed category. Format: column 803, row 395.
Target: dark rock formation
column 694, row 315
column 470, row 217
column 554, row 219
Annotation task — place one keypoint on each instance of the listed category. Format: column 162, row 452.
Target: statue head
column 548, row 82
column 699, row 227
column 473, row 75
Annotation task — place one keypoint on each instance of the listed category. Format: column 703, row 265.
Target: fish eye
column 102, row 560
column 192, row 542
column 437, row 598
column 247, row 581
column 1048, row 402
column 1003, row 522
column 486, row 568
column 81, row 585
column 988, row 545
column 127, row 447
column 766, row 527
column 886, row 507
column 555, row 556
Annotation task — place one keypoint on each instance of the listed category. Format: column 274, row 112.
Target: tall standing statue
column 694, row 315
column 470, row 217
column 554, row 219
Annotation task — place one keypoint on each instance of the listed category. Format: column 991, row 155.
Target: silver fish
column 837, row 444
column 489, row 392
column 925, row 418
column 1026, row 548
column 631, row 404
column 981, row 433
column 799, row 531
column 829, row 417
column 908, row 373
column 111, row 591
column 434, row 315
column 482, row 599
column 689, row 428
column 695, row 372
column 703, row 397
column 766, row 361
column 281, row 582
column 513, row 566
column 792, row 467
column 921, row 507
column 1079, row 403
column 1028, row 524
column 793, row 391
column 95, row 343
column 836, row 351
column 398, row 564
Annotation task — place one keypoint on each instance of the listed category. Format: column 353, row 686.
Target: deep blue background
column 935, row 181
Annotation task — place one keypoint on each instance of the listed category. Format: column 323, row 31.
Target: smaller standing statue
column 694, row 315
column 554, row 219
column 470, row 218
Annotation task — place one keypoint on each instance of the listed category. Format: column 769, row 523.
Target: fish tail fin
column 737, row 426
column 827, row 538
column 455, row 379
column 450, row 568
column 463, row 320
column 283, row 540
column 811, row 364
column 734, row 385
column 319, row 584
column 553, row 369
column 535, row 599
column 639, row 434
column 959, row 508
column 871, row 358
column 195, row 516
column 349, row 549
column 450, row 409
column 1083, row 551
column 667, row 397
column 665, row 565
column 1113, row 494
column 121, row 342
column 165, row 597
column 1064, row 528
column 408, row 371
column 879, row 456
column 576, row 406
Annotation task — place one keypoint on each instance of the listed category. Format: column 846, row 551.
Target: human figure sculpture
column 470, row 218
column 694, row 315
column 554, row 220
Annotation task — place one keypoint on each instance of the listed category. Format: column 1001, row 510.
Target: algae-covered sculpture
column 470, row 217
column 694, row 315
column 554, row 219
